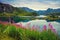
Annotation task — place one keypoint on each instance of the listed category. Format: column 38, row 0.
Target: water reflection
column 41, row 23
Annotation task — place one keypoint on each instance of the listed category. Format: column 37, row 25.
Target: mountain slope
column 27, row 9
column 8, row 12
column 6, row 8
column 48, row 11
column 42, row 12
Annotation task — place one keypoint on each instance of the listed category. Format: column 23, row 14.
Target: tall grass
column 15, row 32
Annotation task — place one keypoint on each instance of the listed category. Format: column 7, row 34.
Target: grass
column 12, row 32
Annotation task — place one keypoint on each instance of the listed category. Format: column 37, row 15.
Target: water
column 40, row 23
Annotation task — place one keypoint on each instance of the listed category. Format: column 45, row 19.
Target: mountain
column 27, row 9
column 9, row 12
column 42, row 12
column 21, row 11
column 48, row 11
column 6, row 8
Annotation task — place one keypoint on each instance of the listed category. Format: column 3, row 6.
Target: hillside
column 6, row 8
column 48, row 11
column 9, row 9
column 43, row 12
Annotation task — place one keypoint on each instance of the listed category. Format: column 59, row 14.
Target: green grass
column 10, row 32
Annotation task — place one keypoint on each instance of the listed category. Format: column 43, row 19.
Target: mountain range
column 8, row 8
column 42, row 12
column 8, row 11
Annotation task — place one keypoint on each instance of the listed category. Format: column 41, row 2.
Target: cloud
column 35, row 4
column 32, row 5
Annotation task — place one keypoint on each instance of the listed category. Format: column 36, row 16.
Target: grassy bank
column 13, row 32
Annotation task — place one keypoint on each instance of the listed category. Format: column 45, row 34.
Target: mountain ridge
column 9, row 8
column 43, row 12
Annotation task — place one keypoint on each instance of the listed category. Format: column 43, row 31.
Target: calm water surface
column 40, row 23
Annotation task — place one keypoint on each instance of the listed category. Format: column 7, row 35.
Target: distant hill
column 27, row 9
column 21, row 11
column 42, row 12
column 24, row 10
column 48, row 11
column 8, row 12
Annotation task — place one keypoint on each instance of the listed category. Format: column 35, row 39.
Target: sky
column 34, row 4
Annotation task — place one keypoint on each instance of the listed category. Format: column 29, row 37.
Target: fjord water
column 41, row 23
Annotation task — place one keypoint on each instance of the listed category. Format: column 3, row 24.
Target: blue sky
column 34, row 4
